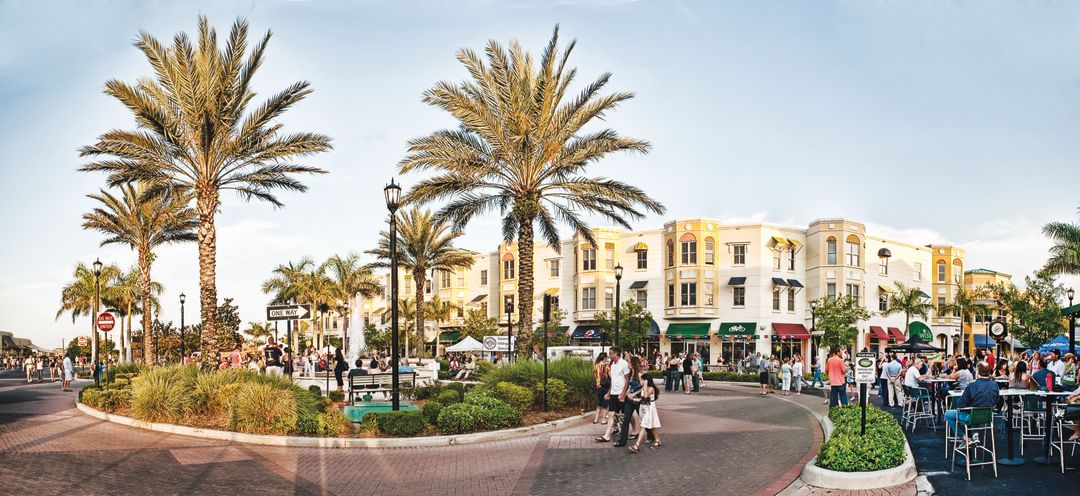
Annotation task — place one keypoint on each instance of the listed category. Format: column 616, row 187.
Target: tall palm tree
column 441, row 311
column 965, row 304
column 317, row 289
column 196, row 132
column 424, row 244
column 521, row 151
column 908, row 301
column 1065, row 254
column 257, row 331
column 77, row 297
column 143, row 221
column 407, row 310
column 125, row 295
column 350, row 279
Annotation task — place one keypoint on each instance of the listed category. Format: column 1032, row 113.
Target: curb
column 334, row 442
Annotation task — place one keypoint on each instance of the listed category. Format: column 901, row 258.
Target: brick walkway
column 725, row 440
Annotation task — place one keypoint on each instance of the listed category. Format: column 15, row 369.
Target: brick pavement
column 725, row 440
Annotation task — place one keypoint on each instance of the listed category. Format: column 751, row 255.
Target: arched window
column 508, row 266
column 688, row 248
column 852, row 250
column 830, row 250
column 958, row 271
column 670, row 253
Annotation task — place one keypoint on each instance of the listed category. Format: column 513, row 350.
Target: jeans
column 629, row 408
column 676, row 380
column 838, row 396
column 883, row 391
column 952, row 415
column 817, row 379
column 667, row 380
column 697, row 383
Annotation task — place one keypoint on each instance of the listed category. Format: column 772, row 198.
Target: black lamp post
column 508, row 304
column 1072, row 322
column 392, row 192
column 813, row 328
column 97, row 309
column 183, row 353
column 618, row 291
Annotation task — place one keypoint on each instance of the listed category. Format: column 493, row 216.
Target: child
column 649, row 416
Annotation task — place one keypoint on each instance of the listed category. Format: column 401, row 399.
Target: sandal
column 655, row 445
column 634, row 449
column 602, row 439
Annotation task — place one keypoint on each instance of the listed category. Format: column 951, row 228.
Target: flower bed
column 847, row 451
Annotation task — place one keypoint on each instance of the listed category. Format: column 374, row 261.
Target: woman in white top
column 797, row 374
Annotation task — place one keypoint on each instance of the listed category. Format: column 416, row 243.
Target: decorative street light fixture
column 508, row 304
column 392, row 192
column 183, row 354
column 97, row 309
column 618, row 292
column 1072, row 322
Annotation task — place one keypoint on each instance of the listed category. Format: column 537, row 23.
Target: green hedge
column 448, row 397
column 729, row 377
column 556, row 391
column 576, row 374
column 847, row 451
column 431, row 412
column 404, row 423
column 519, row 397
column 459, row 418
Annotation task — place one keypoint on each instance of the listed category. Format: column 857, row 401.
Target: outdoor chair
column 1033, row 420
column 970, row 421
column 950, row 437
column 918, row 407
column 1065, row 417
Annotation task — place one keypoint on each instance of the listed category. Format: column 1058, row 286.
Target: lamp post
column 618, row 291
column 813, row 328
column 1072, row 323
column 392, row 192
column 508, row 305
column 183, row 353
column 345, row 332
column 97, row 305
column 547, row 318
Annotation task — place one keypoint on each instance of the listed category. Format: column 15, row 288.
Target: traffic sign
column 864, row 367
column 82, row 340
column 105, row 322
column 288, row 312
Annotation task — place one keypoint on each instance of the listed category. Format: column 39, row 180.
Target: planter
column 334, row 442
column 814, row 475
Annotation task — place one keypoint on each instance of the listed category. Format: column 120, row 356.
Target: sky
column 933, row 122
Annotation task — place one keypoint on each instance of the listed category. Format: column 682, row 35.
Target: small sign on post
column 865, row 373
column 288, row 312
column 498, row 343
column 82, row 340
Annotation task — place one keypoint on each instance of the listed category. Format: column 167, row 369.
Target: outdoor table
column 1005, row 393
column 934, row 381
column 1048, row 397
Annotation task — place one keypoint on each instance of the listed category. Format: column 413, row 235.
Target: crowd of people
column 58, row 367
column 627, row 396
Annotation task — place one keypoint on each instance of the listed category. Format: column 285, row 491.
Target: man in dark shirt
column 272, row 357
column 1044, row 377
column 983, row 392
column 688, row 372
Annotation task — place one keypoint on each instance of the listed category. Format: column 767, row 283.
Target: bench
column 359, row 385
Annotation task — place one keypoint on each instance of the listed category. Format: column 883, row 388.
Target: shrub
column 322, row 424
column 499, row 417
column 519, row 397
column 431, row 412
column 401, row 423
column 480, row 394
column 212, row 392
column 459, row 418
column 336, row 396
column 456, row 386
column 120, row 383
column 315, row 389
column 449, row 397
column 556, row 393
column 370, row 422
column 262, row 408
column 130, row 369
column 576, row 373
column 162, row 394
column 427, row 392
column 847, row 451
column 444, row 375
column 111, row 400
column 729, row 377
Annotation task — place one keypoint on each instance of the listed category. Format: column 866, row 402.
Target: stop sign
column 82, row 340
column 105, row 322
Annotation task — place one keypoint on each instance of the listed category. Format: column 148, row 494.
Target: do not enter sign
column 105, row 322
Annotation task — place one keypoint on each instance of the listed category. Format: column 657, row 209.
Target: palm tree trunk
column 525, row 281
column 131, row 353
column 144, row 291
column 420, row 279
column 207, row 204
column 121, row 336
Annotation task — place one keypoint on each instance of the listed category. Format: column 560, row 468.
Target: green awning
column 920, row 331
column 687, row 330
column 449, row 336
column 736, row 329
column 1067, row 311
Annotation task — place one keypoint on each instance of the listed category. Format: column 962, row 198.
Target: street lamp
column 392, row 192
column 1072, row 322
column 508, row 305
column 813, row 327
column 618, row 291
column 183, row 298
column 97, row 305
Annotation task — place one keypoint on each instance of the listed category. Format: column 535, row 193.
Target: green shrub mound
column 431, row 412
column 729, row 377
column 455, row 386
column 327, row 424
column 482, row 410
column 448, row 397
column 459, row 418
column 519, row 397
column 107, row 400
column 847, row 451
column 263, row 409
column 557, row 393
column 316, row 390
column 336, row 396
column 401, row 423
column 575, row 373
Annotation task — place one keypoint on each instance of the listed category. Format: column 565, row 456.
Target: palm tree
column 196, row 132
column 258, row 330
column 520, row 150
column 965, row 304
column 78, row 296
column 285, row 284
column 424, row 244
column 908, row 301
column 441, row 311
column 351, row 278
column 124, row 294
column 407, row 310
column 143, row 221
column 1065, row 254
column 317, row 289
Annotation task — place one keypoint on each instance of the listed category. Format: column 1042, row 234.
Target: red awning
column 881, row 334
column 788, row 331
column 897, row 334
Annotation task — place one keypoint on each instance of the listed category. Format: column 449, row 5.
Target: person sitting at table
column 961, row 374
column 913, row 376
column 1001, row 370
column 1074, row 398
column 1019, row 378
column 1042, row 378
column 982, row 392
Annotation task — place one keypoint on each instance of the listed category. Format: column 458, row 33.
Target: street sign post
column 865, row 369
column 105, row 322
column 288, row 312
column 82, row 341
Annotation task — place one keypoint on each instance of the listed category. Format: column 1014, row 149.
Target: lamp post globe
column 618, row 294
column 392, row 194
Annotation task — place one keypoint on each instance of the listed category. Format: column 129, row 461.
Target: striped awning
column 879, row 332
column 551, row 291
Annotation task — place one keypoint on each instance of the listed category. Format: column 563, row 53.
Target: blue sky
column 933, row 121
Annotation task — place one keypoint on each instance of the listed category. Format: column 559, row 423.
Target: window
column 791, row 299
column 588, row 298
column 688, row 248
column 709, row 300
column 609, row 298
column 671, row 295
column 553, row 268
column 460, row 309
column 851, row 250
column 775, row 260
column 883, row 266
column 484, row 307
column 738, row 296
column 739, row 252
column 917, row 267
column 445, row 276
column 941, row 271
column 776, row 299
column 957, row 272
column 642, row 297
column 791, row 260
column 609, row 256
column 941, row 302
column 461, row 280
column 670, row 253
column 830, row 290
column 688, row 294
column 642, row 259
column 882, row 302
column 427, row 286
column 830, row 249
column 483, row 278
column 508, row 268
column 588, row 259
column 853, row 291
column 710, row 251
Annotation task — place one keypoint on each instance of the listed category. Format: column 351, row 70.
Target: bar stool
column 969, row 420
column 920, row 408
column 1033, row 417
column 950, row 436
column 1065, row 416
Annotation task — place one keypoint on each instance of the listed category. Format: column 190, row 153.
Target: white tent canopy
column 467, row 344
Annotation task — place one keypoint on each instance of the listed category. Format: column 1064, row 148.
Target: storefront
column 587, row 335
column 445, row 338
column 689, row 338
column 789, row 340
column 877, row 339
column 651, row 343
column 736, row 342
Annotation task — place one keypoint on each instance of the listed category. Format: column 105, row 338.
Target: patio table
column 1009, row 458
column 936, row 407
column 1048, row 397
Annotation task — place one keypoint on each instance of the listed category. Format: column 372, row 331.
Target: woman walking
column 797, row 374
column 649, row 418
column 340, row 366
column 785, row 376
column 603, row 383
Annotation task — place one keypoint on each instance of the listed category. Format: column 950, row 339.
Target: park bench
column 359, row 385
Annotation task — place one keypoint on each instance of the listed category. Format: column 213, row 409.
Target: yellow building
column 946, row 276
column 976, row 281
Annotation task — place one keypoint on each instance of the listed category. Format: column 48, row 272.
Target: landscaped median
column 243, row 405
column 849, row 460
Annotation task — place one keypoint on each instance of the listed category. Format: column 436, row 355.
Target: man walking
column 895, row 386
column 763, row 374
column 69, row 374
column 619, row 372
column 835, row 368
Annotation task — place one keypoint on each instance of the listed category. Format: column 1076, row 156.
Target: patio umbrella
column 1060, row 343
column 913, row 345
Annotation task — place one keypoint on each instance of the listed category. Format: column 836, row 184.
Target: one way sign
column 288, row 312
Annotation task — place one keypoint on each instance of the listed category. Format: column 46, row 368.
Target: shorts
column 614, row 405
column 763, row 378
column 600, row 401
column 67, row 375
